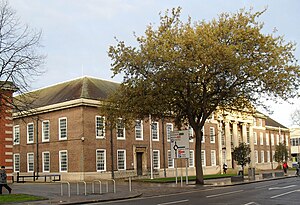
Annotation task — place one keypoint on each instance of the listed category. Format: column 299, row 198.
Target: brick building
column 6, row 123
column 66, row 133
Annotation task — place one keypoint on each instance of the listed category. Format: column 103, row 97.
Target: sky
column 78, row 33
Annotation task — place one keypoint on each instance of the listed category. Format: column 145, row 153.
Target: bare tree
column 20, row 61
column 296, row 117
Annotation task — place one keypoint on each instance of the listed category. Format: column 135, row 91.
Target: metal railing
column 77, row 186
column 61, row 188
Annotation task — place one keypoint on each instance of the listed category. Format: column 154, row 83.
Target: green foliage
column 15, row 198
column 188, row 70
column 241, row 154
column 281, row 153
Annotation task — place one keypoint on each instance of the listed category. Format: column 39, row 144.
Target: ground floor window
column 101, row 160
column 16, row 162
column 156, row 159
column 170, row 160
column 63, row 161
column 46, row 161
column 30, row 162
column 121, row 159
column 191, row 159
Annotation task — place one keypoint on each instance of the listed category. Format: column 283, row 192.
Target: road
column 283, row 191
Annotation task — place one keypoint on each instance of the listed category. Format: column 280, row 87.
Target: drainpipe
column 37, row 147
column 163, row 144
column 151, row 151
column 112, row 151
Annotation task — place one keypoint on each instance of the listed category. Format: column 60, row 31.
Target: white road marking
column 174, row 202
column 273, row 197
column 251, row 203
column 216, row 195
column 285, row 187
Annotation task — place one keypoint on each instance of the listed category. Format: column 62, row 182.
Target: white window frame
column 30, row 162
column 104, row 160
column 60, row 128
column 272, row 140
column 123, row 160
column 212, row 135
column 152, row 131
column 255, row 138
column 156, row 159
column 120, row 128
column 60, row 161
column 170, row 160
column 256, row 156
column 203, row 156
column 267, row 139
column 17, row 162
column 138, row 130
column 98, row 128
column 213, row 159
column 261, row 138
column 44, row 131
column 169, row 129
column 262, row 156
column 44, row 161
column 277, row 139
column 16, row 134
column 30, row 133
column 192, row 159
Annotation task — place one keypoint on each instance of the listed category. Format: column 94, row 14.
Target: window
column 212, row 134
column 203, row 158
column 121, row 159
column 16, row 162
column 203, row 137
column 169, row 128
column 248, row 135
column 154, row 131
column 260, row 122
column 277, row 139
column 138, row 130
column 191, row 159
column 262, row 156
column 268, row 156
column 255, row 138
column 46, row 131
column 170, row 160
column 272, row 139
column 16, row 134
column 281, row 138
column 256, row 156
column 63, row 161
column 261, row 138
column 156, row 159
column 30, row 133
column 62, row 128
column 100, row 127
column 30, row 162
column 191, row 134
column 213, row 158
column 287, row 140
column 120, row 129
column 100, row 160
column 267, row 139
column 46, row 161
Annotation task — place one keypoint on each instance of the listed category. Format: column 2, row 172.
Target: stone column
column 244, row 132
column 252, row 156
column 235, row 134
column 228, row 144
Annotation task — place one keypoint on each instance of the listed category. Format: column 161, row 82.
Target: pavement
column 52, row 191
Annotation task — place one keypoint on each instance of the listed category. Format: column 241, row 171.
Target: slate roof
column 85, row 87
column 272, row 123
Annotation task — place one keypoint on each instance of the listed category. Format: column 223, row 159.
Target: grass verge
column 14, row 198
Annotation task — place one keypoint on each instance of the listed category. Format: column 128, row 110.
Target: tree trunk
column 199, row 170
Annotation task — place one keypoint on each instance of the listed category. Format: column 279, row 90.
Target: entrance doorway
column 139, row 163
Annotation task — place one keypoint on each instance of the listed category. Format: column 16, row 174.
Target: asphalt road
column 275, row 192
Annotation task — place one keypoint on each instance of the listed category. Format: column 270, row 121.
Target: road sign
column 180, row 146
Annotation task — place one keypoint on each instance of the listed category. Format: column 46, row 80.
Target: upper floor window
column 260, row 122
column 261, row 138
column 272, row 139
column 212, row 134
column 191, row 134
column 46, row 131
column 63, row 128
column 100, row 127
column 255, row 138
column 138, row 130
column 154, row 131
column 267, row 139
column 16, row 134
column 30, row 133
column 203, row 136
column 169, row 128
column 120, row 129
